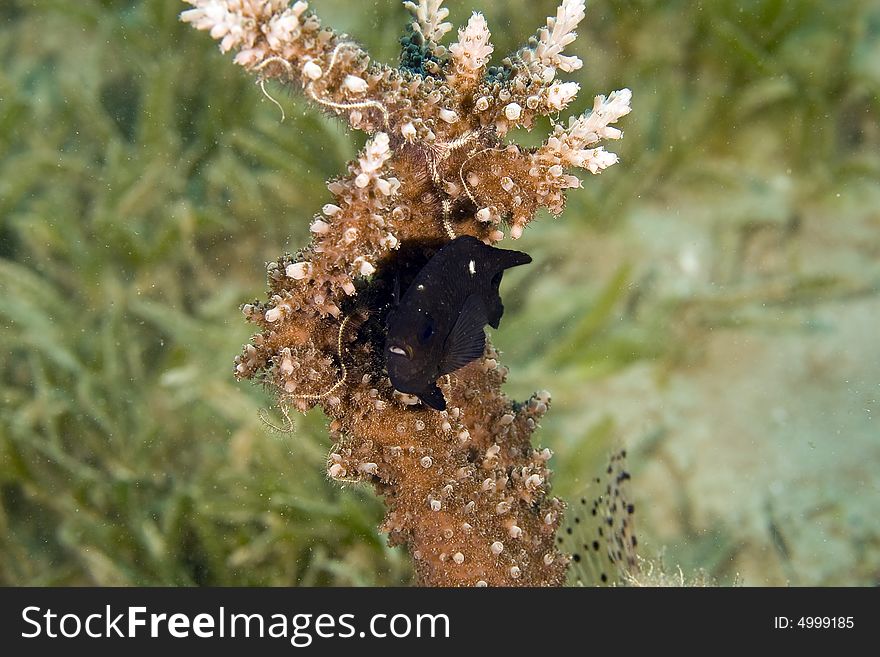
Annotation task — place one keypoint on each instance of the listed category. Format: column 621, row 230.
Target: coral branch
column 465, row 491
column 558, row 34
column 470, row 54
column 429, row 15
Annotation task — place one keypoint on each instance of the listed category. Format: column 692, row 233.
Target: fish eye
column 426, row 332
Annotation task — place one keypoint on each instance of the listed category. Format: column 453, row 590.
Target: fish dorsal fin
column 467, row 339
column 505, row 258
column 433, row 397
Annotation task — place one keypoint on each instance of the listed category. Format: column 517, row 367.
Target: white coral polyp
column 590, row 127
column 408, row 130
column 376, row 153
column 598, row 159
column 388, row 187
column 319, row 226
column 312, row 71
column 299, row 270
column 364, row 267
column 224, row 25
column 250, row 57
column 285, row 27
column 355, row 84
column 448, row 115
column 560, row 94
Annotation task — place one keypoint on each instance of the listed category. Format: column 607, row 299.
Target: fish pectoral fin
column 467, row 339
column 433, row 397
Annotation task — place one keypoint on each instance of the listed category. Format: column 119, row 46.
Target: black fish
column 437, row 327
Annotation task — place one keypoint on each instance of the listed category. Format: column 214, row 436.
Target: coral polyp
column 465, row 490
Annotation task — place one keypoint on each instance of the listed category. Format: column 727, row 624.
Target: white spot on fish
column 472, row 267
column 420, row 287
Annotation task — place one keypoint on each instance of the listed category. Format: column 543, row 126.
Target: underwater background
column 712, row 303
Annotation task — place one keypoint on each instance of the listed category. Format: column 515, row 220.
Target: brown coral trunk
column 464, row 488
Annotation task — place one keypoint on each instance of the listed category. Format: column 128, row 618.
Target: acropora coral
column 465, row 490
